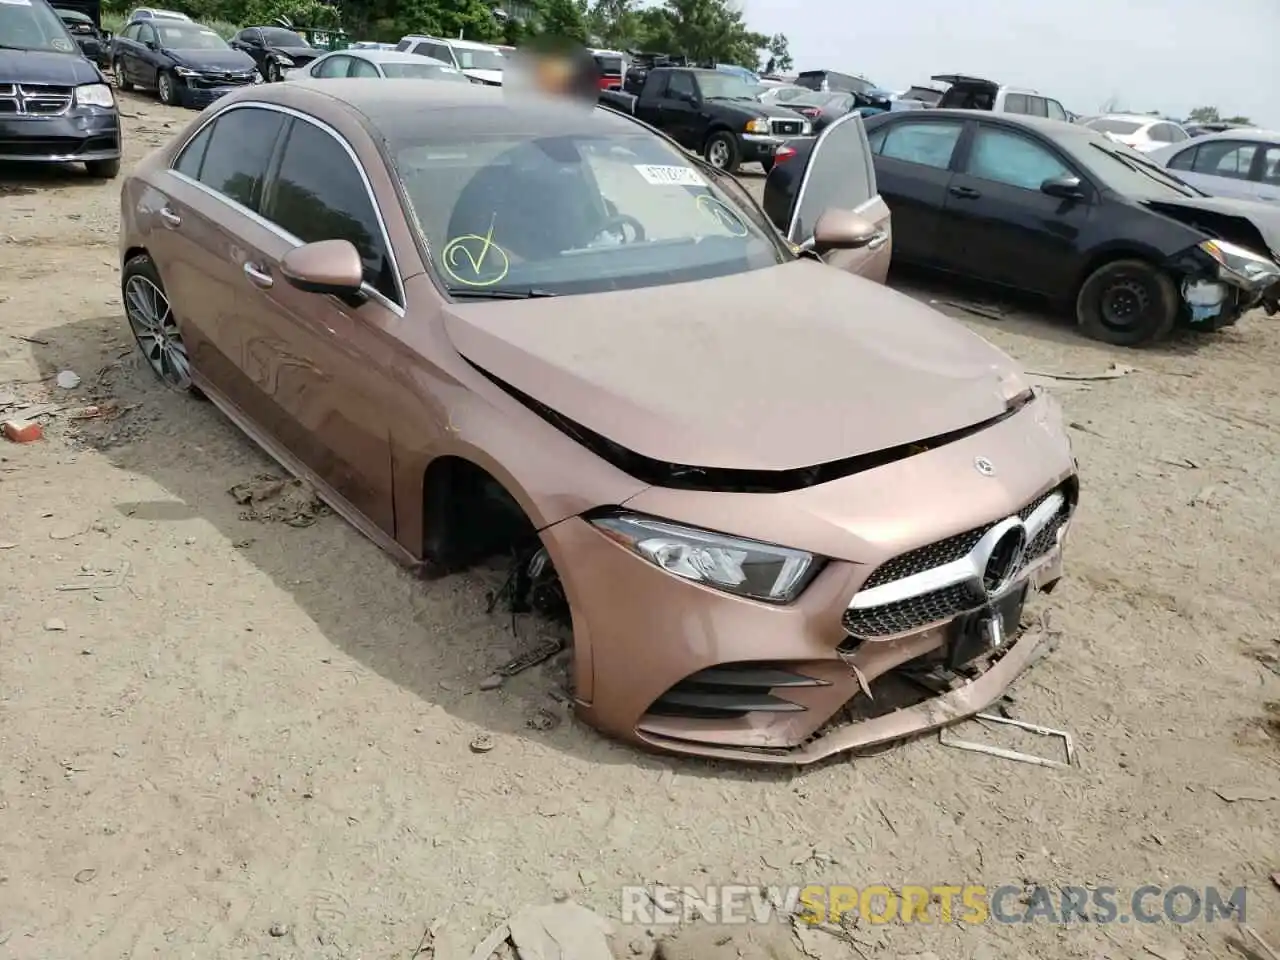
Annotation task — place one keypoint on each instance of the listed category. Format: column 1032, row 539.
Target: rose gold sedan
column 788, row 511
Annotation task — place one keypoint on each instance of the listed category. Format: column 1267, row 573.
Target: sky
column 1167, row 55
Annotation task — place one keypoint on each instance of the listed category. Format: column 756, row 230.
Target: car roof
column 460, row 44
column 470, row 109
column 1134, row 117
column 1252, row 134
column 1053, row 129
column 375, row 55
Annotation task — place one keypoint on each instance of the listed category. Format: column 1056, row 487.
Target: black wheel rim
column 1126, row 304
column 156, row 332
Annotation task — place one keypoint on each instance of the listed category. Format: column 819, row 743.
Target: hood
column 298, row 54
column 39, row 66
column 777, row 369
column 1259, row 231
column 492, row 77
column 756, row 108
column 234, row 60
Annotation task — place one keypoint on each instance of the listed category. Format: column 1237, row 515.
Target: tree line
column 712, row 30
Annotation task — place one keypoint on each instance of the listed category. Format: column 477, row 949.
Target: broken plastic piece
column 1001, row 752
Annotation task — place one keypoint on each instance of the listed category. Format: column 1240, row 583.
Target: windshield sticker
column 723, row 214
column 661, row 176
column 474, row 260
column 59, row 44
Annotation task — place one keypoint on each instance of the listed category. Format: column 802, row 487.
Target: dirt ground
column 234, row 737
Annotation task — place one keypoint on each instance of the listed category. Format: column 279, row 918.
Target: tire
column 117, row 69
column 167, row 88
column 103, row 169
column 721, row 151
column 153, row 325
column 1127, row 303
column 273, row 73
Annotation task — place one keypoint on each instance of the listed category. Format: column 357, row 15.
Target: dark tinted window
column 236, row 158
column 1011, row 159
column 146, row 33
column 1226, row 158
column 1184, row 160
column 1016, row 103
column 435, row 50
column 320, row 195
column 404, row 45
column 680, row 85
column 192, row 155
column 928, row 143
column 840, row 175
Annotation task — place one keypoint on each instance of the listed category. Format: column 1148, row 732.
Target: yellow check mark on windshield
column 475, row 259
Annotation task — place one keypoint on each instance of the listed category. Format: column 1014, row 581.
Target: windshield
column 1121, row 128
column 479, row 59
column 579, row 213
column 188, row 36
column 724, row 86
column 1129, row 172
column 25, row 25
column 422, row 71
column 278, row 37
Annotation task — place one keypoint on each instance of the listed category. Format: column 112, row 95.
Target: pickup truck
column 712, row 113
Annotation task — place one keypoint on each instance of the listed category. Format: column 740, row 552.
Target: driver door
column 840, row 174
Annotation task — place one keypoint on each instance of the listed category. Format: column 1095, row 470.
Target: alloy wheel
column 153, row 325
column 718, row 155
column 165, row 89
column 273, row 73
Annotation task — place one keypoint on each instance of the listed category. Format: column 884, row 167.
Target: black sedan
column 275, row 50
column 185, row 63
column 821, row 107
column 1058, row 210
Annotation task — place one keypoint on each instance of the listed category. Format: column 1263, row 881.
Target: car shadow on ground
column 25, row 179
column 436, row 639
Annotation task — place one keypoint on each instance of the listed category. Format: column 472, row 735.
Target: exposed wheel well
column 133, row 252
column 468, row 515
column 1110, row 256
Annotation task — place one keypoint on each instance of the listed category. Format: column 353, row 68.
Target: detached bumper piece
column 731, row 691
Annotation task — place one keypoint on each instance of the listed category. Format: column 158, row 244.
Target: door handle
column 964, row 193
column 257, row 276
column 878, row 241
column 170, row 218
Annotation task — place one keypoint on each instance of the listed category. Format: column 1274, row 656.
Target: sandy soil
column 238, row 723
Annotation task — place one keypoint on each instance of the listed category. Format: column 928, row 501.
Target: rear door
column 1220, row 167
column 840, row 175
column 1268, row 173
column 999, row 226
column 913, row 159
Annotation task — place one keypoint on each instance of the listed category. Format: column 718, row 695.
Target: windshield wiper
column 501, row 293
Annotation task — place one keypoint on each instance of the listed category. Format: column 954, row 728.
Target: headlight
column 186, row 72
column 1245, row 264
column 95, row 95
column 283, row 60
column 747, row 568
column 757, row 126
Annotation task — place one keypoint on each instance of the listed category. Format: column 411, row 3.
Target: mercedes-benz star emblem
column 984, row 466
column 1005, row 559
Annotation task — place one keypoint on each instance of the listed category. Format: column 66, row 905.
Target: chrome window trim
column 968, row 569
column 397, row 308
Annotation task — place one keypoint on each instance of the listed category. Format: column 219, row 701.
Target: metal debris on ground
column 1114, row 372
column 1241, row 796
column 272, row 499
column 994, row 751
column 977, row 309
column 530, row 658
column 98, row 579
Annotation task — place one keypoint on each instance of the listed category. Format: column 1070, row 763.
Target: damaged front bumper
column 1223, row 281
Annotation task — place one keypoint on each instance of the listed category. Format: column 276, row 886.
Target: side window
column 1012, row 159
column 877, row 139
column 320, row 195
column 1177, row 134
column 147, row 33
column 680, row 85
column 130, row 32
column 840, row 175
column 362, row 68
column 930, row 144
column 1015, row 103
column 1229, row 158
column 404, row 45
column 1162, row 132
column 335, row 67
column 192, row 156
column 1055, row 110
column 236, row 158
column 1184, row 160
column 1271, row 166
column 434, row 50
column 1037, row 107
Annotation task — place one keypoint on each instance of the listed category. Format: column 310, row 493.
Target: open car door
column 838, row 173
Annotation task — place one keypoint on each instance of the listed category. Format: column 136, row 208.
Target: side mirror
column 151, row 45
column 326, row 267
column 841, row 230
column 1064, row 188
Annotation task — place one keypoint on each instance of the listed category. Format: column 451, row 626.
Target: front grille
column 915, row 613
column 35, row 99
column 787, row 128
column 210, row 81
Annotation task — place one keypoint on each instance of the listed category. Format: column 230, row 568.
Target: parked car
column 712, row 113
column 153, row 13
column 822, row 108
column 185, row 63
column 781, row 93
column 1143, row 134
column 1242, row 163
column 55, row 106
column 612, row 66
column 1059, row 210
column 370, row 45
column 274, row 50
column 795, row 196
column 1216, row 126
column 87, row 36
column 804, row 483
column 828, row 80
column 974, row 93
column 481, row 62
column 374, row 64
column 929, row 96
